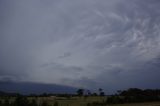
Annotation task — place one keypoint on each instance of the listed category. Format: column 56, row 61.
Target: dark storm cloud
column 87, row 43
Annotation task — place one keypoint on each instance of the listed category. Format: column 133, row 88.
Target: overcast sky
column 113, row 44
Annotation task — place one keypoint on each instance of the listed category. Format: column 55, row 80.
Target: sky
column 112, row 44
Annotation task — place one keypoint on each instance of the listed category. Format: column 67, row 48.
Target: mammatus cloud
column 88, row 43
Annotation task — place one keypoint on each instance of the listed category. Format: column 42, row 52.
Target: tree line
column 83, row 92
column 132, row 95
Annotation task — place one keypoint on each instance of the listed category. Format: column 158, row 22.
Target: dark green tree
column 94, row 94
column 80, row 92
column 101, row 93
column 89, row 93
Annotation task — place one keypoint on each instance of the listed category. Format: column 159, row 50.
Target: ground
column 82, row 101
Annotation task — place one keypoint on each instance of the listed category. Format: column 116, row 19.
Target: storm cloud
column 113, row 44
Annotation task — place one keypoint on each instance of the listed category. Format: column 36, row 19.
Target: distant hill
column 36, row 88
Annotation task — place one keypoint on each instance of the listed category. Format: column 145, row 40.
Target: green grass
column 82, row 101
column 139, row 104
column 74, row 101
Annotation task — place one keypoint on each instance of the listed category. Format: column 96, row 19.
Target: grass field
column 139, row 104
column 73, row 101
column 82, row 101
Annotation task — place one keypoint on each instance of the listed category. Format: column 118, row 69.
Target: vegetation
column 83, row 97
column 80, row 92
column 134, row 95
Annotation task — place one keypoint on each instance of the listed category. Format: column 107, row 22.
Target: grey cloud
column 85, row 43
column 65, row 55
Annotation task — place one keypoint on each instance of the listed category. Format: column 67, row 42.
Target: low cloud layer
column 113, row 44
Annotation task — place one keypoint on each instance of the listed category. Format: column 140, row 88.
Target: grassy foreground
column 83, row 101
column 78, row 101
column 72, row 101
column 139, row 104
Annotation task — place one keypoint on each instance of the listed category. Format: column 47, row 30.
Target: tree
column 88, row 92
column 94, row 94
column 80, row 92
column 101, row 93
